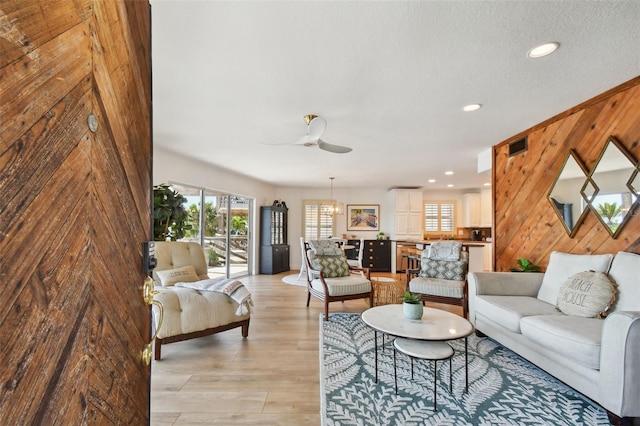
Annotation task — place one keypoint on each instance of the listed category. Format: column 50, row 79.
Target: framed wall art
column 363, row 217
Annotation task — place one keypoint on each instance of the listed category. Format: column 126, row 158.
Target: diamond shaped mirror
column 615, row 177
column 565, row 194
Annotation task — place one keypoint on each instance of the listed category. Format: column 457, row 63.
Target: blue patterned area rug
column 504, row 389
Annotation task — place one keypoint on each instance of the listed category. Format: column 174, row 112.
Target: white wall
column 171, row 167
column 294, row 196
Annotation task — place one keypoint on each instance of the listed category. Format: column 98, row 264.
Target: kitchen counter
column 479, row 253
column 428, row 242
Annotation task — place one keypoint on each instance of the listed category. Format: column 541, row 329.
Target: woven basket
column 386, row 291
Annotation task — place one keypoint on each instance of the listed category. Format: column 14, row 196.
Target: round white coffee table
column 435, row 325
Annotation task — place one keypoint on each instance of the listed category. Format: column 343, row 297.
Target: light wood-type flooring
column 271, row 378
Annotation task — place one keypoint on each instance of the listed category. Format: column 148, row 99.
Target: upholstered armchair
column 442, row 277
column 330, row 278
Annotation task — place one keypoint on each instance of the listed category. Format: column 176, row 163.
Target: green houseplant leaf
column 525, row 265
column 170, row 217
column 410, row 298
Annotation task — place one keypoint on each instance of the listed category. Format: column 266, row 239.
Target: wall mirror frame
column 611, row 189
column 565, row 194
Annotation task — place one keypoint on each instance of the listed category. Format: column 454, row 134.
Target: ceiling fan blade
column 316, row 128
column 333, row 148
column 306, row 140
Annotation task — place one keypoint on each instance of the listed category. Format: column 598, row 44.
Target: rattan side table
column 386, row 291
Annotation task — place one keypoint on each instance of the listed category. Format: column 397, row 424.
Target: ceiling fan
column 315, row 129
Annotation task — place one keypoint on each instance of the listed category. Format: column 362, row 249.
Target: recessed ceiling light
column 543, row 50
column 450, row 185
column 448, row 172
column 471, row 107
column 487, row 184
column 431, row 180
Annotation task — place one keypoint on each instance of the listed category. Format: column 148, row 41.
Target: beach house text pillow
column 587, row 294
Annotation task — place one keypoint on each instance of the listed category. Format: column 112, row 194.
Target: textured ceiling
column 390, row 78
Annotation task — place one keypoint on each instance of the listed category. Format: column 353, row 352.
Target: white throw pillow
column 587, row 294
column 445, row 250
column 625, row 271
column 563, row 265
column 185, row 274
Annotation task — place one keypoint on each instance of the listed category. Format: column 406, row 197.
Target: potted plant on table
column 412, row 306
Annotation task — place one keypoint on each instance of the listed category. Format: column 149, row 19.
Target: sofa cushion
column 353, row 284
column 437, row 287
column 575, row 338
column 624, row 271
column 563, row 265
column 587, row 294
column 184, row 274
column 509, row 310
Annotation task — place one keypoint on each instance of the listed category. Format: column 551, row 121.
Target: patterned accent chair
column 442, row 277
column 330, row 278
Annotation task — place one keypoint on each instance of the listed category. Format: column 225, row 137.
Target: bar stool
column 423, row 349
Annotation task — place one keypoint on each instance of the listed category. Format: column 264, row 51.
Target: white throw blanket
column 229, row 286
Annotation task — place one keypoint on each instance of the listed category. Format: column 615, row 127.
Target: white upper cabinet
column 471, row 212
column 408, row 213
column 408, row 200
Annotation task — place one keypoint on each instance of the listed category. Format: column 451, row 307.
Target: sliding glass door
column 221, row 227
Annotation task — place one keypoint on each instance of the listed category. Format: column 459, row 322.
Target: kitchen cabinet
column 486, row 208
column 377, row 255
column 408, row 213
column 475, row 258
column 487, row 258
column 274, row 249
column 471, row 211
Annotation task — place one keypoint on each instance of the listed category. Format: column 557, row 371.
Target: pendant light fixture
column 334, row 208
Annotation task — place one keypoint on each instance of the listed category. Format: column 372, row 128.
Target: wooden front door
column 74, row 210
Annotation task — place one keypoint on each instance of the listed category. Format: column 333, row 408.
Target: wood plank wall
column 525, row 224
column 74, row 210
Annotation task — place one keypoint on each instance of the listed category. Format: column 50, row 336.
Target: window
column 318, row 222
column 225, row 242
column 439, row 216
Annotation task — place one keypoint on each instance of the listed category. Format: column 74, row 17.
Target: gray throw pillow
column 587, row 294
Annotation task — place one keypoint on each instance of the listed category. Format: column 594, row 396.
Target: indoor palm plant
column 170, row 217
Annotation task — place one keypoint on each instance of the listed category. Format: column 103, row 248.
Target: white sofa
column 599, row 358
column 189, row 313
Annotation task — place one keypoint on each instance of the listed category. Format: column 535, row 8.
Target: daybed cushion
column 184, row 274
column 353, row 284
column 576, row 338
column 175, row 254
column 509, row 310
column 437, row 287
column 587, row 294
column 624, row 271
column 187, row 310
column 563, row 265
